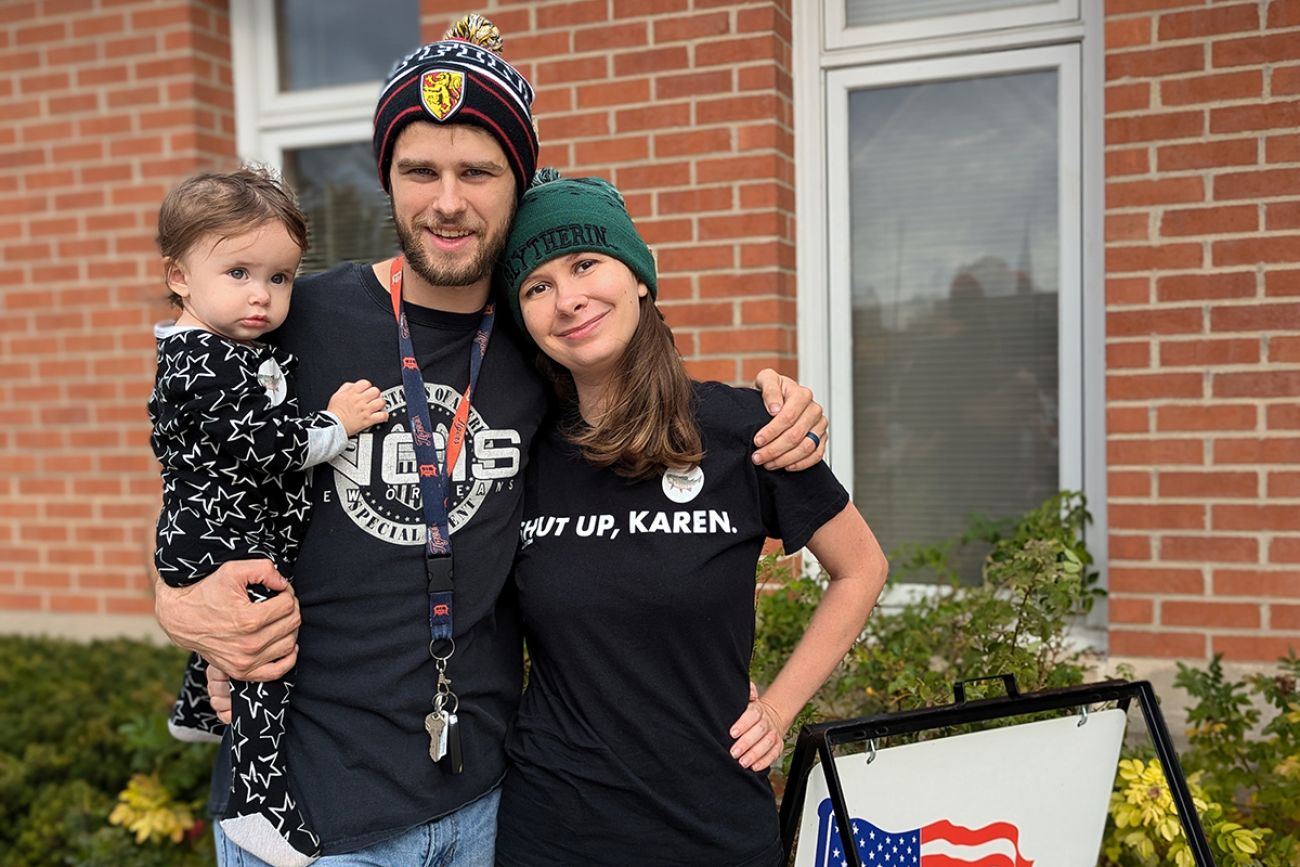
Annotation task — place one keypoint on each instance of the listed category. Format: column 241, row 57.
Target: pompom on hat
column 461, row 79
column 558, row 216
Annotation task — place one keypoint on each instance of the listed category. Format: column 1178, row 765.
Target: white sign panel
column 1031, row 795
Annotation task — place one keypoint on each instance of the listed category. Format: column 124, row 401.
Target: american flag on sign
column 937, row 844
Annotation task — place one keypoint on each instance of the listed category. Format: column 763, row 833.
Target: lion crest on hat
column 442, row 91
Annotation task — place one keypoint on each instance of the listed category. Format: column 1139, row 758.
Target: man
column 380, row 701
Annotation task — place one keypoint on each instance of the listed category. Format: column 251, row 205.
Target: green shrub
column 80, row 723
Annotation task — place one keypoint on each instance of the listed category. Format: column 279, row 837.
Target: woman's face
column 582, row 309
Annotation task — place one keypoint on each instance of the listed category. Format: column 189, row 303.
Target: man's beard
column 448, row 275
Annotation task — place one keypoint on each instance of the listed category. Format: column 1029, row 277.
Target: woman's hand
column 759, row 734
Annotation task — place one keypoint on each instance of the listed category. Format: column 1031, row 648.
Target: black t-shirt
column 357, row 750
column 638, row 603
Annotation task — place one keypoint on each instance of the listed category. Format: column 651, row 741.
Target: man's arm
column 215, row 618
column 783, row 443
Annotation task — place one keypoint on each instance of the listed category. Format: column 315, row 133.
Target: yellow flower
column 146, row 808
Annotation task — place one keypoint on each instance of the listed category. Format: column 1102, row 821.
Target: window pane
column 953, row 198
column 348, row 217
column 865, row 13
column 327, row 43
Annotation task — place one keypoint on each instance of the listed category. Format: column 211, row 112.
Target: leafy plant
column 81, row 722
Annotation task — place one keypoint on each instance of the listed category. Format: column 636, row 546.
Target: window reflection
column 348, row 217
column 865, row 13
column 953, row 196
column 327, row 43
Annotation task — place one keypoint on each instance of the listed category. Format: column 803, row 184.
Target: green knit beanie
column 559, row 216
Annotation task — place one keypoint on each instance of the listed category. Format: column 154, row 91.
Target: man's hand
column 219, row 693
column 784, row 444
column 215, row 617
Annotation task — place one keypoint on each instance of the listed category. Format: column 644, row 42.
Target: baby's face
column 237, row 286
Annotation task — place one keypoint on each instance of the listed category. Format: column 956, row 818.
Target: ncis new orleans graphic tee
column 638, row 604
column 356, row 741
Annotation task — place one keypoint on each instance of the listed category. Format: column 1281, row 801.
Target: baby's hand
column 358, row 405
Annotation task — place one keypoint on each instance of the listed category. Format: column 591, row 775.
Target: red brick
column 1173, row 645
column 1137, row 354
column 1284, row 416
column 1227, row 615
column 1254, row 51
column 1282, row 383
column 1282, row 215
column 1214, row 21
column 1257, row 317
column 1121, row 98
column 1154, row 386
column 1283, row 13
column 696, row 200
column 1209, row 484
column 1136, row 323
column 1284, row 551
column 578, row 69
column 1128, row 484
column 1153, row 62
column 1124, row 610
column 20, row 602
column 1260, row 116
column 552, row 16
column 1245, row 648
column 1128, row 227
column 1154, row 127
column 1202, row 89
column 1284, row 617
column 1165, row 191
column 1249, row 251
column 694, row 84
column 1127, row 290
column 748, row 49
column 1254, row 582
column 611, row 150
column 1217, row 549
column 689, row 27
column 1282, row 148
column 1284, row 349
column 701, row 314
column 650, row 60
column 635, row 8
column 1278, row 450
column 1131, row 161
column 665, row 231
column 695, row 258
column 1210, row 221
column 1285, row 81
column 1127, row 32
column 1154, row 516
column 1162, row 581
column 1127, row 420
column 1257, row 184
column 1242, row 517
column 1154, row 452
column 575, row 125
column 652, row 118
column 1284, row 484
column 1195, row 287
column 720, row 369
column 1215, row 417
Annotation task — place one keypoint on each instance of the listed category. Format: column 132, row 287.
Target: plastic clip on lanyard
column 435, row 487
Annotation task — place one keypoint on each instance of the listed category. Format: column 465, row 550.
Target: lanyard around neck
column 435, row 480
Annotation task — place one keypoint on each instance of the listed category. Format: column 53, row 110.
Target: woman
column 639, row 739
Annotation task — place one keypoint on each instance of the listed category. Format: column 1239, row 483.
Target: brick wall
column 686, row 106
column 102, row 107
column 1203, row 327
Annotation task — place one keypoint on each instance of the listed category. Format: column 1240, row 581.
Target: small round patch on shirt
column 271, row 378
column 682, row 486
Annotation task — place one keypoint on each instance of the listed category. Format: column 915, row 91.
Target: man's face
column 453, row 197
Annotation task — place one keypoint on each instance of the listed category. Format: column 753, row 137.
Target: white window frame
column 927, row 30
column 268, row 120
column 829, row 61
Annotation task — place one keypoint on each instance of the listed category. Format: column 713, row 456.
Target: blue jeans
column 465, row 838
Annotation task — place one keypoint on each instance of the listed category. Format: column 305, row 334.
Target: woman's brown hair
column 648, row 425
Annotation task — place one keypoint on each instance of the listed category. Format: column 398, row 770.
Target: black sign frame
column 817, row 743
